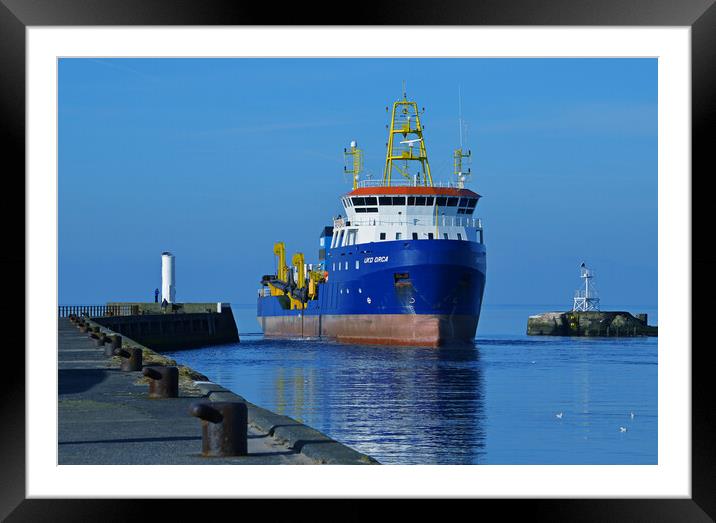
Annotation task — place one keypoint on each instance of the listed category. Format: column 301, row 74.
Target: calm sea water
column 495, row 403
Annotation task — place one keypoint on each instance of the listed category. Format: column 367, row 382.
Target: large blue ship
column 404, row 264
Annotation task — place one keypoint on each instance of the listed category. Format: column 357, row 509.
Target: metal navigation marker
column 586, row 299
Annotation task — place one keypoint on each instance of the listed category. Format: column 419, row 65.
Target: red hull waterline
column 423, row 330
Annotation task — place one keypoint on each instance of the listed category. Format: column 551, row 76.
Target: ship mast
column 355, row 156
column 458, row 155
column 405, row 121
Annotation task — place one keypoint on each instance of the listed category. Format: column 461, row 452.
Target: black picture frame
column 17, row 15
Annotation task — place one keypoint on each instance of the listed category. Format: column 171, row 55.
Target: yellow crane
column 298, row 261
column 279, row 249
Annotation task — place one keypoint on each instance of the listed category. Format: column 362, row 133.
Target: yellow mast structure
column 460, row 176
column 357, row 161
column 405, row 121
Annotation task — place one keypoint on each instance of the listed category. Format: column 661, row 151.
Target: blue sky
column 216, row 159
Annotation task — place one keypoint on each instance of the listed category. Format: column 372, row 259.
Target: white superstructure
column 407, row 213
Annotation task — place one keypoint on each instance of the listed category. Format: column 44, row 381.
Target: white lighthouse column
column 168, row 283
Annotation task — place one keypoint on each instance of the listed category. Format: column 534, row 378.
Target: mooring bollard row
column 163, row 381
column 224, row 427
column 114, row 342
column 131, row 358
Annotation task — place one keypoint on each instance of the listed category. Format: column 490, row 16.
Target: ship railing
column 443, row 221
column 414, row 183
column 264, row 292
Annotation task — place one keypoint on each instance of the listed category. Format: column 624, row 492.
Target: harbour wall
column 175, row 326
column 299, row 437
column 590, row 323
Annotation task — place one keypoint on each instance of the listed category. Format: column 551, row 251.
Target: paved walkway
column 105, row 417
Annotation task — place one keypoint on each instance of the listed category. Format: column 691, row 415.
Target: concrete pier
column 590, row 323
column 106, row 417
column 174, row 326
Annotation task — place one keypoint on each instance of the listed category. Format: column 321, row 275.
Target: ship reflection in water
column 496, row 403
column 414, row 405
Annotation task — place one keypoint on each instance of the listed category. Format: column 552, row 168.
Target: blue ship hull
column 409, row 292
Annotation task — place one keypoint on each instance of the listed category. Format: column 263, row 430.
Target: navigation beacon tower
column 586, row 299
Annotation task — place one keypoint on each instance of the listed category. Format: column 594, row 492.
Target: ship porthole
column 368, row 299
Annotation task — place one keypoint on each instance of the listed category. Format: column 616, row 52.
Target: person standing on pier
column 156, row 295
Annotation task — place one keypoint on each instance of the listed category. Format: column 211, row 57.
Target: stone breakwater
column 590, row 323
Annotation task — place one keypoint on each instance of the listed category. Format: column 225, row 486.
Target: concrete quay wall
column 177, row 326
column 287, row 431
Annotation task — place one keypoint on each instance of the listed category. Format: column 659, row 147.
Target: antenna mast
column 458, row 155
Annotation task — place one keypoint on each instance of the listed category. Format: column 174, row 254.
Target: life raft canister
column 325, row 275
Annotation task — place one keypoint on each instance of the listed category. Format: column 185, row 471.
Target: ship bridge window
column 420, row 200
column 371, row 209
column 358, row 200
column 398, row 200
column 472, row 202
column 452, row 202
column 371, row 200
column 385, row 200
column 351, row 238
column 440, row 200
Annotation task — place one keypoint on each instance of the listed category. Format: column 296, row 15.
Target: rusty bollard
column 224, row 427
column 115, row 342
column 131, row 358
column 163, row 381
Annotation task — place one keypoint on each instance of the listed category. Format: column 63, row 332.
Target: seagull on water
column 622, row 429
column 559, row 415
column 631, row 415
